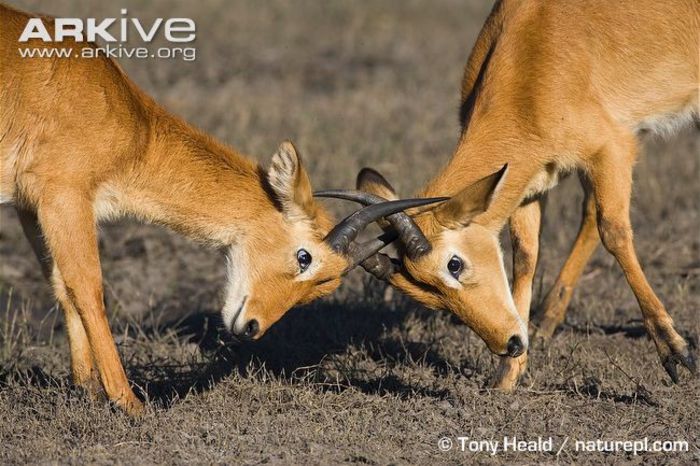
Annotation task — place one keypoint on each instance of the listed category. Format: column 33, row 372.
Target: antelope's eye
column 455, row 266
column 304, row 259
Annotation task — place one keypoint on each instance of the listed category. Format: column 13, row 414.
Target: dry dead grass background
column 353, row 378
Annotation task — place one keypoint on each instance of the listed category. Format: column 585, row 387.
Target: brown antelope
column 81, row 143
column 551, row 87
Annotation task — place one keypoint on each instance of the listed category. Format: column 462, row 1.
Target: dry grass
column 352, row 378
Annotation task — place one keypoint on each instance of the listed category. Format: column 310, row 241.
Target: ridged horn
column 413, row 239
column 359, row 253
column 343, row 234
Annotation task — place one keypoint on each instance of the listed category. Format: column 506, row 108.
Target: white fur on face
column 452, row 237
column 509, row 295
column 240, row 279
column 446, row 276
column 237, row 289
column 302, row 231
column 314, row 267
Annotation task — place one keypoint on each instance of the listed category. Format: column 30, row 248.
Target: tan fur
column 79, row 142
column 559, row 296
column 553, row 87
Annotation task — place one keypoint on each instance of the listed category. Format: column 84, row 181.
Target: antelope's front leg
column 555, row 304
column 68, row 224
column 82, row 366
column 524, row 233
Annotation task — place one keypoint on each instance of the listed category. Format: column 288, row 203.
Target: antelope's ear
column 290, row 182
column 471, row 201
column 371, row 181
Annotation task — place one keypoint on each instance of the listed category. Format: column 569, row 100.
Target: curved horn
column 359, row 253
column 344, row 233
column 360, row 197
column 413, row 239
column 381, row 266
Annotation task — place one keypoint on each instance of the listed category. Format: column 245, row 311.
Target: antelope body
column 550, row 88
column 80, row 143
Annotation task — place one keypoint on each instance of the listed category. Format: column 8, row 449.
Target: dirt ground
column 365, row 376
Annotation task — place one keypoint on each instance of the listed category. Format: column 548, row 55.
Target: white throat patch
column 237, row 289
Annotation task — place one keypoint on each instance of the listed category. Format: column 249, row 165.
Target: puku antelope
column 81, row 143
column 550, row 88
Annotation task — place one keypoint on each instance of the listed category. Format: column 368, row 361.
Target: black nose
column 515, row 346
column 251, row 329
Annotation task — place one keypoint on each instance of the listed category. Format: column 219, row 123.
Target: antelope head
column 448, row 260
column 294, row 254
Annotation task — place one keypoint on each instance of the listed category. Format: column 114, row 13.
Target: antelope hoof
column 672, row 348
column 543, row 330
column 684, row 358
column 90, row 385
column 509, row 373
column 505, row 384
column 130, row 404
column 93, row 388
